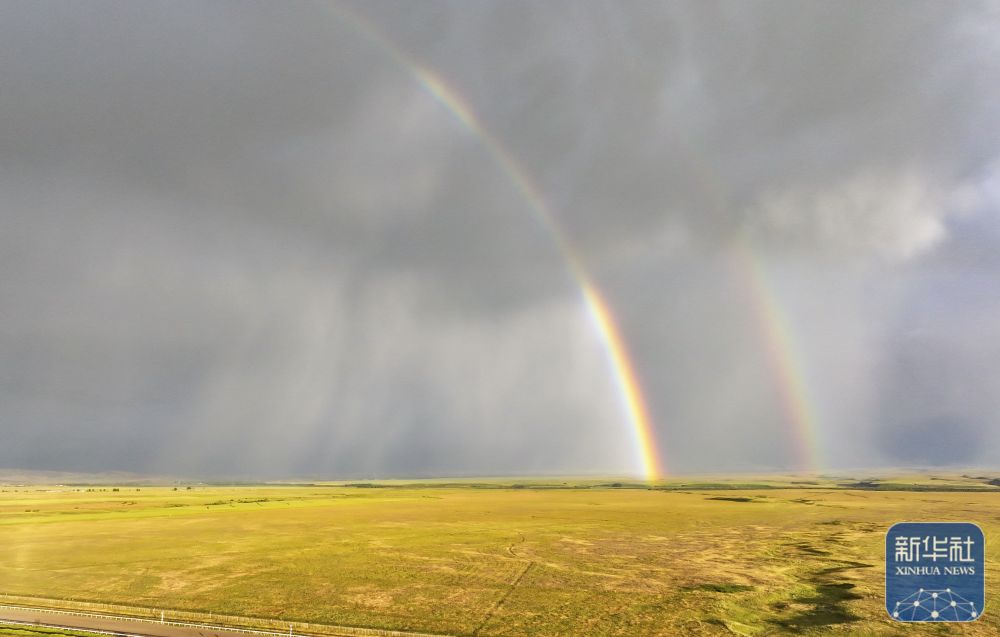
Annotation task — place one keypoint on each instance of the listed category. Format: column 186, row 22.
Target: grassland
column 716, row 557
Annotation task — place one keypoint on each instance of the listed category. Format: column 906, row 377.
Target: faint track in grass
column 503, row 598
column 510, row 549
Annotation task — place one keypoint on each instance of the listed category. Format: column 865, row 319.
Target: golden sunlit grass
column 717, row 557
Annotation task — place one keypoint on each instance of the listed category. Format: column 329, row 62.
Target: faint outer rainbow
column 782, row 357
column 776, row 335
column 647, row 453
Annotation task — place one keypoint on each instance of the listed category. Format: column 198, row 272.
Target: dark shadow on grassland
column 827, row 604
column 714, row 587
column 827, row 608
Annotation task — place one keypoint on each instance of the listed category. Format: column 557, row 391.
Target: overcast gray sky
column 243, row 239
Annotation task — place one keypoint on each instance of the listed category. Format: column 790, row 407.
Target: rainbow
column 776, row 336
column 650, row 464
column 782, row 357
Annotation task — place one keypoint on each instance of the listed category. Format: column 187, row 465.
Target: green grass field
column 716, row 557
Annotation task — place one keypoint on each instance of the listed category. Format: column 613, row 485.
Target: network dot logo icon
column 934, row 572
column 927, row 606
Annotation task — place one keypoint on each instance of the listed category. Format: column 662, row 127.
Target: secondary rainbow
column 783, row 360
column 648, row 458
column 776, row 336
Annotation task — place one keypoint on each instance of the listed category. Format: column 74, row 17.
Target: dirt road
column 125, row 626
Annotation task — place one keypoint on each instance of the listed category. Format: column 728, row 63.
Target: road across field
column 120, row 626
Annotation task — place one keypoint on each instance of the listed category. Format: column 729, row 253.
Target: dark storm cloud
column 728, row 113
column 242, row 240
